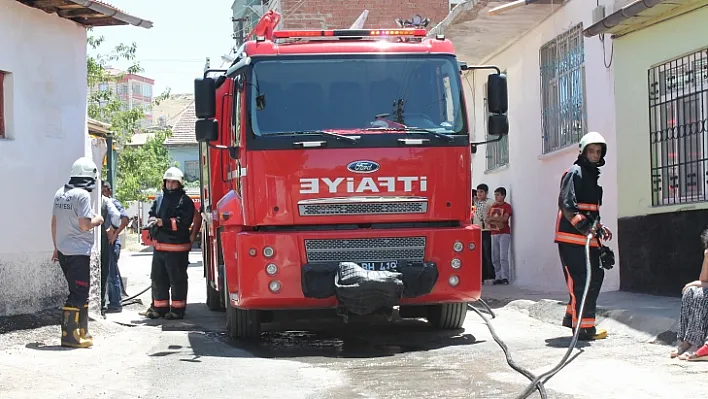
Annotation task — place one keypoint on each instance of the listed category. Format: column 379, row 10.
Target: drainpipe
column 621, row 15
column 114, row 13
column 110, row 174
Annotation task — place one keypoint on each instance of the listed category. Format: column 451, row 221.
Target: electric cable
column 537, row 382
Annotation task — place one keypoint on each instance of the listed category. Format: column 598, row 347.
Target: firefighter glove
column 607, row 257
column 152, row 232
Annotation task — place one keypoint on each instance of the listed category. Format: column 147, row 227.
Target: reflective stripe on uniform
column 161, row 246
column 161, row 303
column 576, row 239
column 179, row 304
column 589, row 207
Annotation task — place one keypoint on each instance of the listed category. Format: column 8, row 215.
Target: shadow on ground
column 42, row 347
column 335, row 339
column 48, row 317
column 327, row 337
column 564, row 342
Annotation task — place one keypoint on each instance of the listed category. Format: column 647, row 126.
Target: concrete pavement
column 192, row 358
column 647, row 318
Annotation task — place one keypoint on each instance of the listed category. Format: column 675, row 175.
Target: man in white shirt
column 73, row 220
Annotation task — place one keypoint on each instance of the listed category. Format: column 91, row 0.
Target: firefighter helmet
column 593, row 138
column 84, row 167
column 175, row 174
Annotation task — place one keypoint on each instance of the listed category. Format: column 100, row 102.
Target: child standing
column 498, row 223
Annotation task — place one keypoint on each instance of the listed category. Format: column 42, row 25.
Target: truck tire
column 213, row 300
column 447, row 316
column 242, row 324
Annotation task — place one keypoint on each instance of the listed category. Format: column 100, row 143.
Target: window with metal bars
column 563, row 109
column 498, row 151
column 678, row 129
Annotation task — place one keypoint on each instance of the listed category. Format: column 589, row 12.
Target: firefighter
column 73, row 220
column 579, row 206
column 170, row 218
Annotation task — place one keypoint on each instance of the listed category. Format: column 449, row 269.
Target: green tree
column 141, row 168
column 138, row 168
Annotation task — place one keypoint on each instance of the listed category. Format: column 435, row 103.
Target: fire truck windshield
column 347, row 94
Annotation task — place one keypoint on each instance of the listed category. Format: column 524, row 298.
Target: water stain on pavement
column 360, row 340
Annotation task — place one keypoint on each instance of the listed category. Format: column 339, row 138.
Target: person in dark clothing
column 114, row 287
column 170, row 217
column 578, row 209
column 112, row 218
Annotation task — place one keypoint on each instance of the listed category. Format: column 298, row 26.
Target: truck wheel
column 447, row 316
column 245, row 324
column 213, row 300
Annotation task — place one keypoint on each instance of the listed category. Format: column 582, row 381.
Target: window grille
column 678, row 126
column 563, row 113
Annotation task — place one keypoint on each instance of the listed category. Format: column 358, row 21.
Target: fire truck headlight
column 473, row 246
column 453, row 280
column 458, row 246
column 274, row 286
column 252, row 252
column 271, row 269
column 268, row 252
column 456, row 263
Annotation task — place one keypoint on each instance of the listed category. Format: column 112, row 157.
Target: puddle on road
column 349, row 341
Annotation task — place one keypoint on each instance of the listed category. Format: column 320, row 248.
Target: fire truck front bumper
column 277, row 271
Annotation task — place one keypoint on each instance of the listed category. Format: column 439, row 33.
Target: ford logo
column 363, row 167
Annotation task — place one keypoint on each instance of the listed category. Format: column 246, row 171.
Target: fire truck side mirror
column 497, row 105
column 206, row 130
column 497, row 94
column 497, row 125
column 205, row 97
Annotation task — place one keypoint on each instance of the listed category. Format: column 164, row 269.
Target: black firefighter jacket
column 176, row 210
column 579, row 204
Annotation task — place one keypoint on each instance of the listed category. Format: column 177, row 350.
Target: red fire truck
column 324, row 148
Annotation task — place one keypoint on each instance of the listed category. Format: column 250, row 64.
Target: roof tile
column 183, row 129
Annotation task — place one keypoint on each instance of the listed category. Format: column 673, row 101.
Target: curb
column 642, row 326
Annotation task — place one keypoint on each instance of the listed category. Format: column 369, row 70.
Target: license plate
column 379, row 265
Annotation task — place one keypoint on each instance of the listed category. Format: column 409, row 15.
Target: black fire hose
column 126, row 300
column 538, row 381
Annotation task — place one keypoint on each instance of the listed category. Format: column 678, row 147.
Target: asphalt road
column 369, row 358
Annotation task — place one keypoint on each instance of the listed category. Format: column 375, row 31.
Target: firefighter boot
column 83, row 323
column 151, row 313
column 592, row 334
column 175, row 314
column 70, row 330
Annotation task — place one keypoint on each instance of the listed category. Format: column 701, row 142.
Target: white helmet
column 593, row 138
column 84, row 167
column 175, row 174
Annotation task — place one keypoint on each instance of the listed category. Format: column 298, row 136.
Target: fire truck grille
column 363, row 208
column 365, row 249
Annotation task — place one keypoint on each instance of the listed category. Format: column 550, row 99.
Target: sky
column 173, row 52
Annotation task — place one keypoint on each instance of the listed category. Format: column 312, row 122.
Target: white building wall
column 46, row 106
column 532, row 179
